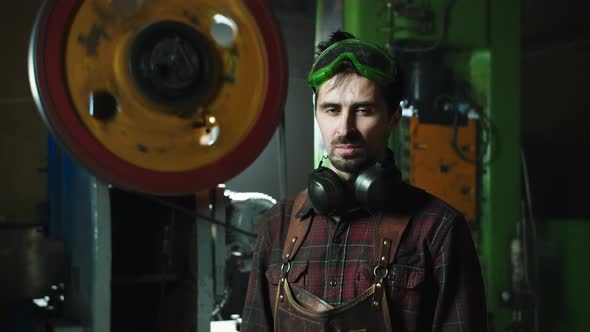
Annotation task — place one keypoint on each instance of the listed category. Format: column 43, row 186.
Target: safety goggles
column 368, row 59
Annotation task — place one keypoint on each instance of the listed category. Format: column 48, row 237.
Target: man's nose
column 346, row 124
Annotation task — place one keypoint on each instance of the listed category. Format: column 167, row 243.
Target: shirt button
column 391, row 276
column 333, row 283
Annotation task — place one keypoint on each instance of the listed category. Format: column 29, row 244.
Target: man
column 360, row 250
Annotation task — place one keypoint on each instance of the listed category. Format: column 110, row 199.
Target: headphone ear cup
column 376, row 185
column 326, row 191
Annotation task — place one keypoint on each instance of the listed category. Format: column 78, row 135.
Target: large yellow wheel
column 159, row 96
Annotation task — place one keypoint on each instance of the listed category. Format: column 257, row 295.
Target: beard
column 348, row 165
column 352, row 163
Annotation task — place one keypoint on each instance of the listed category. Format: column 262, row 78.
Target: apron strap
column 296, row 233
column 298, row 229
column 388, row 233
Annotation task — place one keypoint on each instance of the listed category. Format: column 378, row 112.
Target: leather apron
column 297, row 310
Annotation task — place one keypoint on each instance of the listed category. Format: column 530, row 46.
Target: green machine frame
column 483, row 39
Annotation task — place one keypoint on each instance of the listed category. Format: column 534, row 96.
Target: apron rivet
column 383, row 258
column 294, row 239
column 375, row 303
column 281, row 297
column 385, row 243
column 378, row 285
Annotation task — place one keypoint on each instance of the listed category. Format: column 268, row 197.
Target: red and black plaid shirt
column 435, row 283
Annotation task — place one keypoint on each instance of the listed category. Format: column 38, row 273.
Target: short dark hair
column 392, row 92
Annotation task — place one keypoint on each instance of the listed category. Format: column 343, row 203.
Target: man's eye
column 363, row 110
column 330, row 110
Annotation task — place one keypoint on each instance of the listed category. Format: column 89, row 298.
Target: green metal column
column 501, row 179
column 366, row 19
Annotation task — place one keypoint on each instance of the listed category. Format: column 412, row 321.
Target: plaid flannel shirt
column 435, row 283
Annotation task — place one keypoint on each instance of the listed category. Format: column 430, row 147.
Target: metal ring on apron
column 284, row 272
column 377, row 269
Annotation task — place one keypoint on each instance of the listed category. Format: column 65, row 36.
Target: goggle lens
column 359, row 54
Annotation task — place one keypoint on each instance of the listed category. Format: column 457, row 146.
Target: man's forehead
column 347, row 87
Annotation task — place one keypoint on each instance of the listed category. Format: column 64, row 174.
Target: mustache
column 351, row 139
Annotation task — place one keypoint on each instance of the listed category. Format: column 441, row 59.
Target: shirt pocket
column 404, row 286
column 364, row 279
column 297, row 275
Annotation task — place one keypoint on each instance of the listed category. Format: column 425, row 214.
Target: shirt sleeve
column 460, row 303
column 257, row 315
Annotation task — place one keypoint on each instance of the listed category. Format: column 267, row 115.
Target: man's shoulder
column 413, row 200
column 275, row 221
column 439, row 207
column 277, row 213
column 432, row 216
column 282, row 210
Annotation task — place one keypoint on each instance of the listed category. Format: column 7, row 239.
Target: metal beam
column 81, row 205
column 502, row 176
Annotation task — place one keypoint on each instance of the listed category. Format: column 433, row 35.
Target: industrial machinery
column 155, row 100
column 159, row 101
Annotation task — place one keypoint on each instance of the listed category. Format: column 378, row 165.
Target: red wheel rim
column 46, row 73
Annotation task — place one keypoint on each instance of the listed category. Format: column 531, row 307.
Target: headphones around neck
column 374, row 187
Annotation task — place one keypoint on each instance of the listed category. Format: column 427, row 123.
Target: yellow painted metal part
column 142, row 132
column 437, row 168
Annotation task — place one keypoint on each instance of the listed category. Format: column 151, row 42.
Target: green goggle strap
column 322, row 75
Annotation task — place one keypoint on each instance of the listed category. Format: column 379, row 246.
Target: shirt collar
column 308, row 210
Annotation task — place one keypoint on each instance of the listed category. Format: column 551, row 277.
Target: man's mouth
column 347, row 148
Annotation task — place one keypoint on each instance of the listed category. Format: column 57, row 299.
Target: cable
column 198, row 216
column 533, row 223
column 525, row 248
column 528, row 195
column 216, row 313
column 486, row 137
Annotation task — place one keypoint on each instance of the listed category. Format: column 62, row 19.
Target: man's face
column 354, row 122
